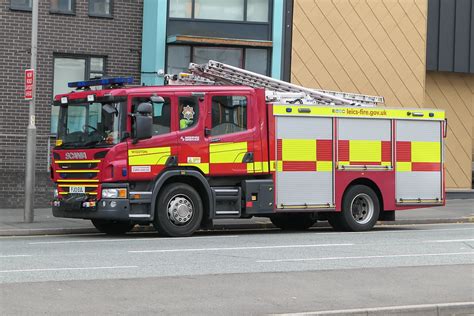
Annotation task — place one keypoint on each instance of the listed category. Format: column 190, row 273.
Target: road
column 238, row 272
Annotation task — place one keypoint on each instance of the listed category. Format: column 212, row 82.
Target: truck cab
column 118, row 148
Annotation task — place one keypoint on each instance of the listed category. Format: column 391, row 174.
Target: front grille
column 89, row 165
column 85, row 175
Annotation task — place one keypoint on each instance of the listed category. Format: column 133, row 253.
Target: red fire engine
column 224, row 142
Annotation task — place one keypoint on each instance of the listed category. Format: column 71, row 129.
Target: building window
column 253, row 59
column 229, row 10
column 68, row 69
column 24, row 5
column 229, row 115
column 101, row 8
column 63, row 6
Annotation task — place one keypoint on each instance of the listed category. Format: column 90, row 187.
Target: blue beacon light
column 120, row 81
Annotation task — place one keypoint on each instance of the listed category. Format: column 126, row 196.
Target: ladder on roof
column 217, row 73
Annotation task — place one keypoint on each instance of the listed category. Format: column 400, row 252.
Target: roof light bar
column 101, row 82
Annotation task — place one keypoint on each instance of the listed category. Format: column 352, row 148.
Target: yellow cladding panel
column 425, row 152
column 250, row 167
column 227, row 152
column 365, row 150
column 298, row 150
column 148, row 156
column 272, row 165
column 324, row 166
column 204, row 167
column 403, row 166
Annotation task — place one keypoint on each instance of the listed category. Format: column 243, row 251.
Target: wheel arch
column 191, row 177
column 369, row 183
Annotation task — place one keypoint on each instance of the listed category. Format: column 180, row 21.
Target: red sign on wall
column 29, row 83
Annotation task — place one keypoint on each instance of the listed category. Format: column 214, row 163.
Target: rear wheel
column 360, row 210
column 179, row 211
column 112, row 227
column 298, row 221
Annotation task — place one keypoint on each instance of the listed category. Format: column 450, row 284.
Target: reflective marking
column 124, row 239
column 69, row 269
column 236, row 248
column 15, row 256
column 366, row 257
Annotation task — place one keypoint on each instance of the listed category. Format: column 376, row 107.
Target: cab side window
column 161, row 114
column 229, row 114
column 188, row 112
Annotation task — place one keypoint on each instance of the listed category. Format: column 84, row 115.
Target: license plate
column 77, row 190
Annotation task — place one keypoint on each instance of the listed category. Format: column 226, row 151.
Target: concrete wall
column 379, row 47
column 119, row 39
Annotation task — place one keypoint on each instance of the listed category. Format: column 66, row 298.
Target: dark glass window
column 24, row 5
column 63, row 6
column 161, row 114
column 188, row 112
column 100, row 8
column 229, row 114
column 228, row 10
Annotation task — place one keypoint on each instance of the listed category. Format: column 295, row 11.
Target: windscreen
column 90, row 124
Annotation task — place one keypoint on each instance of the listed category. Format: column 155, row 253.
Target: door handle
column 248, row 157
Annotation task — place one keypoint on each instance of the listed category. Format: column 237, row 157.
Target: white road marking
column 450, row 240
column 366, row 257
column 14, row 256
column 68, row 269
column 127, row 239
column 237, row 248
column 399, row 308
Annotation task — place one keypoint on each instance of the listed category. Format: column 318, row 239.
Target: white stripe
column 14, row 256
column 237, row 248
column 126, row 239
column 451, row 240
column 377, row 310
column 366, row 257
column 68, row 269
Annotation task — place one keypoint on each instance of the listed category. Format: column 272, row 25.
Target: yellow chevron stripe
column 227, row 152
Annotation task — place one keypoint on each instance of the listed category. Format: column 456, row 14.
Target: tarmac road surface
column 238, row 273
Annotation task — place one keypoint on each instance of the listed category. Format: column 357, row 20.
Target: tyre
column 335, row 222
column 360, row 209
column 298, row 221
column 112, row 227
column 178, row 211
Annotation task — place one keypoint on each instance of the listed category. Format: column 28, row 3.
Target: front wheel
column 299, row 221
column 112, row 227
column 179, row 211
column 360, row 210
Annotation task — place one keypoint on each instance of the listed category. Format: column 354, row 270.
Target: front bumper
column 82, row 206
column 108, row 209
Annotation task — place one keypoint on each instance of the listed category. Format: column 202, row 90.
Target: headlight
column 55, row 194
column 114, row 193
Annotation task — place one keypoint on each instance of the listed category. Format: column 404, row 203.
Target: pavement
column 12, row 223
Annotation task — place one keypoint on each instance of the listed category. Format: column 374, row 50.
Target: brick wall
column 119, row 39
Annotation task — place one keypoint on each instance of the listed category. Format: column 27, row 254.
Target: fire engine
column 223, row 142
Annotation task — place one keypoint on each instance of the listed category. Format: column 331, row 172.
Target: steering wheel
column 86, row 126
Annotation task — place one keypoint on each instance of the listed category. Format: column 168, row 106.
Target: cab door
column 191, row 116
column 230, row 133
column 148, row 157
